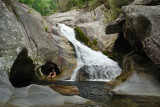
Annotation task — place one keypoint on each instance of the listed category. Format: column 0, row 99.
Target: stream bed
column 97, row 91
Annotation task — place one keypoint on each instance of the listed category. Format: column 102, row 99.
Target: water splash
column 98, row 66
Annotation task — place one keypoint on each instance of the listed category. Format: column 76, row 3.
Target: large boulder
column 24, row 28
column 142, row 29
column 140, row 76
column 140, row 65
column 26, row 43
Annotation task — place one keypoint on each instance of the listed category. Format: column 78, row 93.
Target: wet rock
column 66, row 57
column 90, row 22
column 83, row 75
column 66, row 90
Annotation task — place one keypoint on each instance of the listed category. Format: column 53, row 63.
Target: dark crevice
column 121, row 48
column 23, row 70
column 49, row 67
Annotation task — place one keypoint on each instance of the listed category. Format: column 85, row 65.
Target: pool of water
column 97, row 91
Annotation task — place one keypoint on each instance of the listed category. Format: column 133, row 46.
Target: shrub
column 115, row 9
column 46, row 28
column 95, row 3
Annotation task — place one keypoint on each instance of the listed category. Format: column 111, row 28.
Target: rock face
column 140, row 77
column 22, row 27
column 145, row 34
column 26, row 43
column 146, row 2
column 116, row 26
column 140, row 74
column 90, row 22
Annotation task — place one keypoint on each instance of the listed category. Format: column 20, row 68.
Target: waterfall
column 98, row 66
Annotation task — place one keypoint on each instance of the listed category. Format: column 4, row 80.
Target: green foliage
column 95, row 42
column 95, row 3
column 117, row 3
column 45, row 7
column 46, row 28
column 115, row 9
column 66, row 5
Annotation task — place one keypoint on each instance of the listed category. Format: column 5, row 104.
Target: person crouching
column 52, row 74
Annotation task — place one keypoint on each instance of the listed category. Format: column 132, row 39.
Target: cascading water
column 98, row 66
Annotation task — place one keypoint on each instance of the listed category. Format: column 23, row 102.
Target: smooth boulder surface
column 139, row 84
column 139, row 77
column 22, row 28
column 142, row 28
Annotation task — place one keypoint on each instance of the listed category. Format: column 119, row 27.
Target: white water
column 98, row 66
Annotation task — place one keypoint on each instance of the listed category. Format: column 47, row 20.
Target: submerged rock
column 66, row 90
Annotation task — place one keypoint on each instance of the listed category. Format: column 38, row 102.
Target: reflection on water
column 97, row 91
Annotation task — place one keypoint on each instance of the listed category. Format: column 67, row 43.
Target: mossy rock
column 81, row 36
column 110, row 55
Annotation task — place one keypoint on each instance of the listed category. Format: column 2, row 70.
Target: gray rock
column 116, row 26
column 142, row 29
column 139, row 84
column 139, row 77
column 21, row 27
column 90, row 22
column 145, row 2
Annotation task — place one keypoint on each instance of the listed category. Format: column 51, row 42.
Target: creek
column 100, row 69
column 98, row 91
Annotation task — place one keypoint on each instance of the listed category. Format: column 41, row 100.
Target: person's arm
column 54, row 74
column 49, row 75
